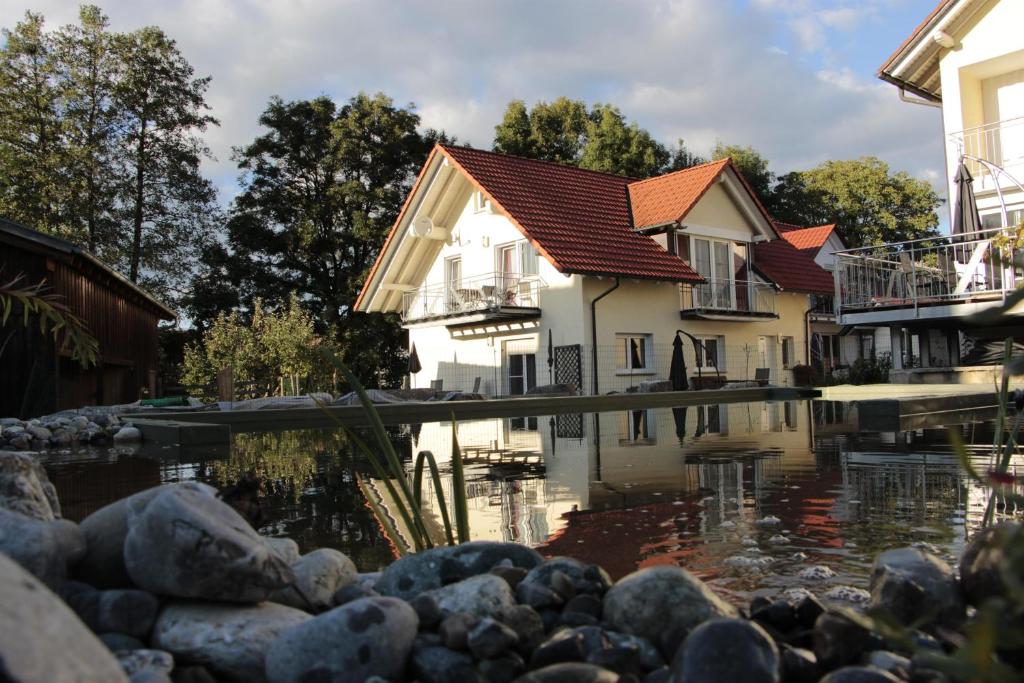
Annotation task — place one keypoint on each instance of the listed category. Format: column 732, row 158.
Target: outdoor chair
column 436, row 384
column 476, row 385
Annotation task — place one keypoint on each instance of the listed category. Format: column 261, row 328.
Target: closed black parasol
column 965, row 212
column 414, row 361
column 677, row 370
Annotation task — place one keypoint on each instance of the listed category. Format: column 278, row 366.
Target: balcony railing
column 925, row 272
column 823, row 305
column 492, row 292
column 1000, row 143
column 742, row 297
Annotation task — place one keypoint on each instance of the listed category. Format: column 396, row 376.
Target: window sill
column 640, row 372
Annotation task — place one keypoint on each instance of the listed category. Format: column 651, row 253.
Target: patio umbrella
column 677, row 370
column 965, row 211
column 679, row 416
column 551, row 358
column 634, row 350
column 414, row 361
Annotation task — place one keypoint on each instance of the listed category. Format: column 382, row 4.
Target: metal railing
column 1001, row 143
column 823, row 304
column 480, row 293
column 957, row 268
column 728, row 296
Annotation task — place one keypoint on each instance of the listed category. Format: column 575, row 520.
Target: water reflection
column 746, row 495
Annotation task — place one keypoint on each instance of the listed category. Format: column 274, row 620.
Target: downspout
column 915, row 100
column 593, row 329
column 807, row 341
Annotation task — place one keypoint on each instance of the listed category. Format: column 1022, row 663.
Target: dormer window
column 480, row 202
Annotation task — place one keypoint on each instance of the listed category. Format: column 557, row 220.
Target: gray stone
column 889, row 661
column 662, row 604
column 120, row 642
column 538, row 596
column 527, row 624
column 859, row 674
column 41, row 548
column 39, row 432
column 128, row 611
column 566, row 645
column 127, row 435
column 285, row 548
column 413, row 574
column 454, row 630
column 490, row 638
column 150, row 676
column 188, row 544
column 41, row 639
column 799, row 665
column 911, row 584
column 71, row 540
column 229, row 639
column 25, row 488
column 981, row 574
column 351, row 592
column 838, row 641
column 727, row 650
column 427, row 610
column 136, row 661
column 650, row 658
column 367, row 637
column 503, row 669
column 318, row 575
column 571, row 672
column 436, row 664
column 105, row 531
column 585, row 578
column 483, row 595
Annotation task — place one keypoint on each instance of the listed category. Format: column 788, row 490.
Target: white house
column 511, row 273
column 966, row 58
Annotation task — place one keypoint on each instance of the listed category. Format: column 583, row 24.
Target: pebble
column 818, row 572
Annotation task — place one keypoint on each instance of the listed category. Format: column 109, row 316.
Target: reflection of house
column 966, row 57
column 494, row 256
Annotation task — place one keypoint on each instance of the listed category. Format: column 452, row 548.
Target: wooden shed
column 35, row 378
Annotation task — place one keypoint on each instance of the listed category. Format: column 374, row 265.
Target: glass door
column 453, row 282
column 522, row 373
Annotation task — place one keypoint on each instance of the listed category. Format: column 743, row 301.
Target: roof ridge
column 545, row 162
column 723, row 161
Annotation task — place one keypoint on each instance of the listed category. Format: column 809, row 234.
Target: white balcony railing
column 729, row 296
column 480, row 293
column 925, row 272
column 1000, row 143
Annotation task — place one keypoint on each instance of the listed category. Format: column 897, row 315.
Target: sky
column 795, row 79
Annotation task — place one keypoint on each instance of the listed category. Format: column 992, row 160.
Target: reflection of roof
column 791, row 269
column 580, row 220
column 805, row 239
column 33, row 240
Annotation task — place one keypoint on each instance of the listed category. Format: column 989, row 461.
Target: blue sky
column 792, row 78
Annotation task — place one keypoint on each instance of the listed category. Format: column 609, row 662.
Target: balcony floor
column 724, row 314
column 475, row 317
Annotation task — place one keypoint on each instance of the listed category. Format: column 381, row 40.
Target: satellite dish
column 423, row 226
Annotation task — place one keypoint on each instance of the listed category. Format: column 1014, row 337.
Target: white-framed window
column 788, row 352
column 714, row 260
column 633, row 353
column 516, row 258
column 711, row 352
column 480, row 202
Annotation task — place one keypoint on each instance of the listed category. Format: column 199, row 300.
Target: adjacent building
column 511, row 273
column 35, row 377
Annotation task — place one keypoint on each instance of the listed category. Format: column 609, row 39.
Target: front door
column 522, row 373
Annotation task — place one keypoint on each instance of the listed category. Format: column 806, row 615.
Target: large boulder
column 349, row 644
column 485, row 595
column 105, row 531
column 911, row 584
column 41, row 639
column 662, row 604
column 727, row 650
column 230, row 639
column 318, row 576
column 42, row 548
column 188, row 544
column 413, row 574
column 25, row 488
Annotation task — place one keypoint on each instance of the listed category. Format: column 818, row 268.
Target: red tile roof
column 580, row 220
column 667, row 198
column 809, row 240
column 791, row 269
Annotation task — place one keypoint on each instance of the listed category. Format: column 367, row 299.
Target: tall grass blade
column 435, row 475
column 459, row 487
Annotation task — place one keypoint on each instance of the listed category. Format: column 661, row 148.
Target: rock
column 436, row 664
column 41, row 639
column 126, row 435
column 285, row 548
column 527, row 624
column 727, row 650
column 41, row 548
column 621, row 660
column 413, row 574
column 513, row 575
column 427, row 610
column 889, row 661
column 105, row 531
column 351, row 592
column 482, row 596
column 585, row 604
column 25, row 488
column 132, row 612
column 119, row 642
column 490, row 638
column 778, row 615
column 192, row 674
column 367, row 637
column 584, row 578
column 136, row 661
column 662, row 675
column 662, row 604
column 911, row 584
column 229, row 639
column 39, row 432
column 538, row 596
column 838, row 641
column 454, row 630
column 70, row 539
column 318, row 575
column 859, row 674
column 650, row 658
column 567, row 645
column 572, row 672
column 150, row 676
column 503, row 669
column 808, row 609
column 188, row 544
column 799, row 665
column 980, row 574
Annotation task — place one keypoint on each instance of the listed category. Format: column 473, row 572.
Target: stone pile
column 63, row 431
column 171, row 584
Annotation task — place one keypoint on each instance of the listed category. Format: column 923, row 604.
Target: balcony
column 823, row 307
column 727, row 300
column 1000, row 144
column 482, row 298
column 946, row 277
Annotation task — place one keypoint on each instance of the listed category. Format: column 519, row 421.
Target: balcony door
column 453, row 282
column 713, row 260
column 1003, row 101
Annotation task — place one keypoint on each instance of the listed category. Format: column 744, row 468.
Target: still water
column 753, row 497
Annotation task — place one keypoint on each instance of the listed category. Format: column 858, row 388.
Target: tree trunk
column 140, row 171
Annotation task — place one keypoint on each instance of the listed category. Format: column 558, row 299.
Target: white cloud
column 681, row 68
